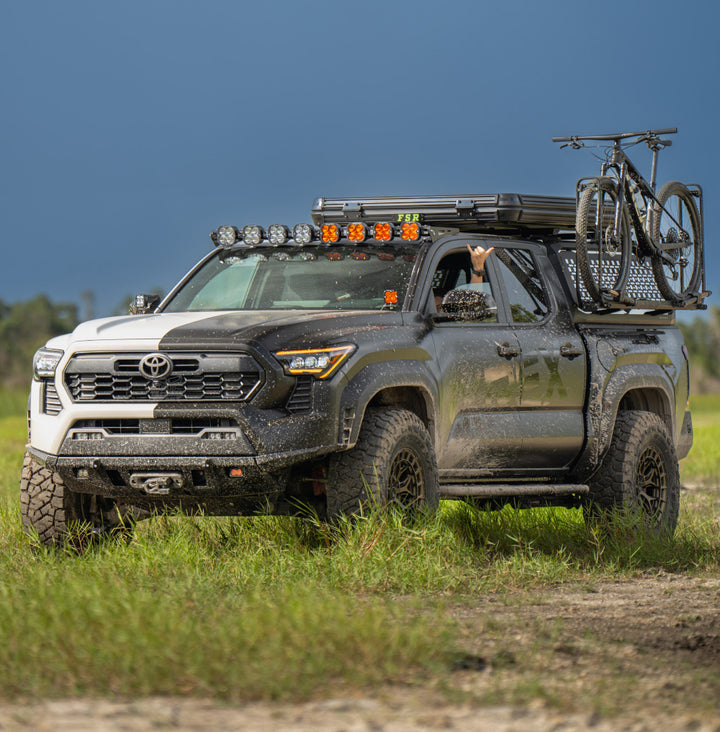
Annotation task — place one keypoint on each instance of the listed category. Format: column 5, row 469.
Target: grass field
column 278, row 608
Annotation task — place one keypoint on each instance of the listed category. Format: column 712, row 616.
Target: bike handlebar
column 621, row 136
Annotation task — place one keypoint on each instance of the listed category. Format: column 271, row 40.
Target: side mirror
column 143, row 304
column 467, row 305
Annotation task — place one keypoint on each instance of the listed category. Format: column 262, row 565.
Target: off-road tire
column 692, row 249
column 592, row 245
column 52, row 510
column 393, row 462
column 639, row 473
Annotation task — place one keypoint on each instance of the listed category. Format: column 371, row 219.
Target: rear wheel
column 639, row 473
column 677, row 232
column 50, row 508
column 603, row 258
column 393, row 462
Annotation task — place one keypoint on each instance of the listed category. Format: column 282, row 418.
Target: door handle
column 570, row 351
column 507, row 351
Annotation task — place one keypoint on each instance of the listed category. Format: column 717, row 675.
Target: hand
column 478, row 255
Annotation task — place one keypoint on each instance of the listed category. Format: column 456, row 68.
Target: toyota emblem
column 155, row 366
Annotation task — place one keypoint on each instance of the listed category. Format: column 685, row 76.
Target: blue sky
column 129, row 130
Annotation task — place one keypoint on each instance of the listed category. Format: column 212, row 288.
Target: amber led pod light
column 357, row 232
column 410, row 231
column 330, row 233
column 383, row 231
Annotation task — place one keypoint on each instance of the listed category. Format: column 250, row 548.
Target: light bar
column 302, row 234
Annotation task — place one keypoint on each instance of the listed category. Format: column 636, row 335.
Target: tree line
column 25, row 326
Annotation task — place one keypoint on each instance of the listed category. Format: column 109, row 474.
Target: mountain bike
column 667, row 225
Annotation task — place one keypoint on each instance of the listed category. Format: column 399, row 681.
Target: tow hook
column 157, row 484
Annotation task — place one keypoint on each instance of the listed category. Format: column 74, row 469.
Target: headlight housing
column 318, row 362
column 45, row 362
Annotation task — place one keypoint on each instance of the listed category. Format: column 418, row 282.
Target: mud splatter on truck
column 365, row 356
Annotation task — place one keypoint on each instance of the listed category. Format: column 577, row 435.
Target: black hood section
column 276, row 329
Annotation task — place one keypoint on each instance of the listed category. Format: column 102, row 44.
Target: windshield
column 337, row 278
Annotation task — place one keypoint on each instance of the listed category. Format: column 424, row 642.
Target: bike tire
column 603, row 264
column 679, row 279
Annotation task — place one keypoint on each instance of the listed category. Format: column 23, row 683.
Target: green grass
column 273, row 607
column 704, row 460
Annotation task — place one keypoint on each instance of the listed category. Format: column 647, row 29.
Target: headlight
column 45, row 362
column 319, row 362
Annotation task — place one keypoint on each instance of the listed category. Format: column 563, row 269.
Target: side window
column 455, row 293
column 527, row 297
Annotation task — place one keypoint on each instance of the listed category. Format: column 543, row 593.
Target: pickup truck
column 352, row 360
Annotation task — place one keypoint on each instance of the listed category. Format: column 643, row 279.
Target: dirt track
column 635, row 655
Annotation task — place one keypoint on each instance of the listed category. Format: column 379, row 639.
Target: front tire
column 49, row 507
column 393, row 462
column 639, row 473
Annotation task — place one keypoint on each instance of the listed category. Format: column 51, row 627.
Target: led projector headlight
column 45, row 362
column 318, row 362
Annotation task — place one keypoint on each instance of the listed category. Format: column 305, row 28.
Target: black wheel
column 51, row 509
column 603, row 259
column 677, row 232
column 392, row 462
column 640, row 472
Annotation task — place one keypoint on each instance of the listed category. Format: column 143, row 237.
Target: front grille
column 107, row 377
column 173, row 426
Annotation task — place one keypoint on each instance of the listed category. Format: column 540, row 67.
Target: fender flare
column 381, row 376
column 604, row 402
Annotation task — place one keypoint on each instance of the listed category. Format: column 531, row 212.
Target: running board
column 511, row 490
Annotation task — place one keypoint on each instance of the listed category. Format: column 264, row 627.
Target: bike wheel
column 677, row 234
column 603, row 259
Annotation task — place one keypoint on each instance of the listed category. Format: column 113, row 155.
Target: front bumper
column 230, row 484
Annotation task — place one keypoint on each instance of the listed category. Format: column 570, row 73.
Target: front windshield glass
column 266, row 278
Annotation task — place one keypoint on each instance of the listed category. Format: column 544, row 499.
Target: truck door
column 478, row 369
column 552, row 364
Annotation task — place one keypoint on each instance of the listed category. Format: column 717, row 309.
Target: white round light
column 277, row 234
column 252, row 235
column 303, row 233
column 226, row 236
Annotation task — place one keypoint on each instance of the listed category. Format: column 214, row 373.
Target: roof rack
column 487, row 212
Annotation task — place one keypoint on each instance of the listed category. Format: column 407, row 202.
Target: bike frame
column 624, row 234
column 624, row 171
